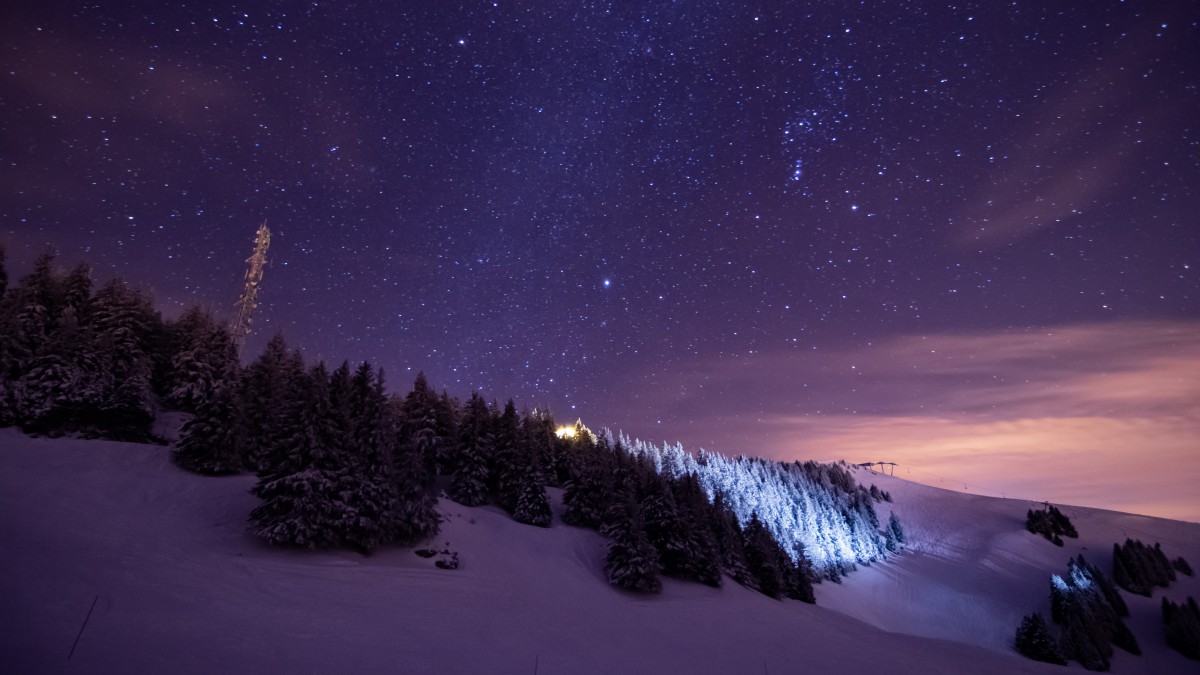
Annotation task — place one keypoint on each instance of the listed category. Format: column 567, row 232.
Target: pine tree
column 125, row 325
column 302, row 504
column 416, row 517
column 271, row 387
column 703, row 557
column 631, row 562
column 39, row 301
column 77, row 288
column 202, row 350
column 586, row 492
column 513, row 452
column 533, row 507
column 212, row 442
column 45, row 391
column 664, row 527
column 419, row 431
column 469, row 485
column 370, row 493
column 762, row 558
column 727, row 533
column 1033, row 640
column 1060, row 523
column 895, row 528
column 1181, row 623
column 1139, row 568
column 798, row 576
column 449, row 414
column 1089, row 609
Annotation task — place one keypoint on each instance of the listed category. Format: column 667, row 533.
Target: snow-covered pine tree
column 126, row 327
column 1089, row 609
column 39, row 299
column 44, row 393
column 419, row 431
column 301, row 499
column 762, row 558
column 631, row 562
column 270, row 389
column 211, row 443
column 727, row 533
column 586, row 492
column 1034, row 641
column 1181, row 624
column 370, row 493
column 341, row 409
column 77, row 288
column 202, row 350
column 449, row 413
column 664, row 527
column 469, row 485
column 533, row 507
column 509, row 461
column 416, row 517
column 703, row 558
column 895, row 528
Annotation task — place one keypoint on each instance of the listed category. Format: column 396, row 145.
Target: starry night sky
column 962, row 238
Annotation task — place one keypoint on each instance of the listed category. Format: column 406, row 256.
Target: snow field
column 183, row 587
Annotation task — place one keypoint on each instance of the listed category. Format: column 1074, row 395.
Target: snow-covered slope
column 972, row 570
column 180, row 586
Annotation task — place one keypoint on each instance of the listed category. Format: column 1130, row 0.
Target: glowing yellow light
column 565, row 432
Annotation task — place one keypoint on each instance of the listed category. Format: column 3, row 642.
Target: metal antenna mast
column 248, row 302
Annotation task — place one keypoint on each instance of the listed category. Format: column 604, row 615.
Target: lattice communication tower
column 248, row 302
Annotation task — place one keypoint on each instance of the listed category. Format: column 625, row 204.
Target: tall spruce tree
column 370, row 493
column 212, row 442
column 419, row 432
column 416, row 517
column 270, row 387
column 533, row 507
column 510, row 459
column 586, row 492
column 469, row 485
column 631, row 562
column 1181, row 624
column 703, row 557
column 302, row 503
column 664, row 526
column 727, row 532
column 1033, row 640
column 763, row 559
column 201, row 353
column 126, row 328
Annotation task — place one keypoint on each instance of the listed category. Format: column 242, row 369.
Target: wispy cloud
column 1102, row 415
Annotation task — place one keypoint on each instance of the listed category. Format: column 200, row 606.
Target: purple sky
column 962, row 238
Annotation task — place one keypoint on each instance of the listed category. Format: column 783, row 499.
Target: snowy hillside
column 179, row 585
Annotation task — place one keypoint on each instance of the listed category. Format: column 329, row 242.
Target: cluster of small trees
column 1138, row 568
column 78, row 360
column 1089, row 612
column 343, row 463
column 661, row 524
column 1182, row 626
column 1051, row 524
column 815, row 511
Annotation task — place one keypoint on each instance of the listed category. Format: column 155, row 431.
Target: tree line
column 1089, row 612
column 341, row 462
